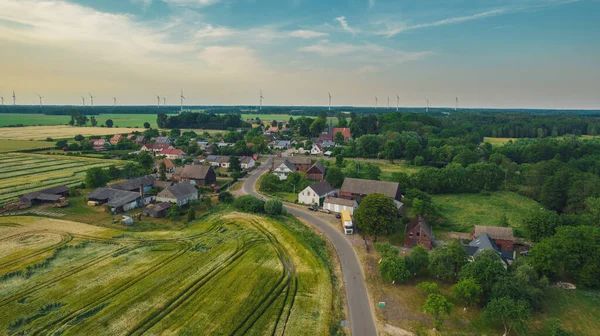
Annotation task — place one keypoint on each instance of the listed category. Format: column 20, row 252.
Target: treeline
column 200, row 121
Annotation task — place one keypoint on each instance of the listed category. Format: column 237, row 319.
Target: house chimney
column 142, row 192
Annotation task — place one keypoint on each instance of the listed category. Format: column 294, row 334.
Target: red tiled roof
column 167, row 151
column 345, row 132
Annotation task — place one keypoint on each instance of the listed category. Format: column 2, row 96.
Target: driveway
column 359, row 307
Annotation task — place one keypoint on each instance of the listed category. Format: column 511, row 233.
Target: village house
column 157, row 210
column 197, row 174
column 172, row 154
column 502, row 236
column 139, row 140
column 202, row 144
column 284, row 169
column 336, row 204
column 345, row 132
column 225, row 144
column 117, row 201
column 317, row 149
column 168, row 164
column 301, row 163
column 316, row 193
column 161, row 184
column 418, row 232
column 281, row 144
column 155, row 147
column 218, row 161
column 485, row 242
column 100, row 144
column 357, row 189
column 316, row 172
column 163, row 140
column 179, row 194
column 116, row 139
column 145, row 182
column 247, row 162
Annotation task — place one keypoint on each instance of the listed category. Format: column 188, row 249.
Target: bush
column 250, row 204
column 273, row 207
column 226, row 197
column 428, row 287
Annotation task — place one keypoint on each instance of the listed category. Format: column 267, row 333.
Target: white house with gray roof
column 284, row 169
column 180, row 194
column 315, row 193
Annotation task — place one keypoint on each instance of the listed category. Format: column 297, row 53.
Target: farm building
column 347, row 223
column 284, row 169
column 197, row 174
column 117, row 201
column 316, row 193
column 485, row 242
column 301, row 163
column 134, row 185
column 218, row 161
column 172, row 154
column 502, row 236
column 316, row 172
column 161, row 184
column 168, row 164
column 99, row 144
column 281, row 144
column 116, row 139
column 357, row 189
column 139, row 140
column 163, row 140
column 157, row 210
column 339, row 204
column 418, row 232
column 49, row 195
column 317, row 149
column 179, row 194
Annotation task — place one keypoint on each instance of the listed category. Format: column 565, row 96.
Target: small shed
column 157, row 210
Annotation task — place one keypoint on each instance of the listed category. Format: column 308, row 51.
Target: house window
column 410, row 234
column 418, row 234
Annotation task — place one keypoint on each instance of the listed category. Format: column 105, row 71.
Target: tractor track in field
column 65, row 320
column 65, row 239
column 174, row 303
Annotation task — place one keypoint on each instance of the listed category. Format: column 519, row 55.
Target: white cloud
column 326, row 49
column 307, row 34
column 191, row 3
column 209, row 31
column 344, row 24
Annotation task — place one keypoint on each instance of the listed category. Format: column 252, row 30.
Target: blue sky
column 496, row 53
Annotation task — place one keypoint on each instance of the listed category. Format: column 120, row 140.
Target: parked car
column 327, row 211
column 338, row 216
column 313, row 208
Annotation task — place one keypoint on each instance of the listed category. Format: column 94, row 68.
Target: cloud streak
column 344, row 24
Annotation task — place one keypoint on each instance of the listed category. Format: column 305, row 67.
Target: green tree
column 438, row 306
column 273, row 207
column 96, row 178
column 225, row 197
column 393, row 269
column 109, row 123
column 249, row 203
column 386, row 250
column 376, row 215
column 541, row 223
column 146, row 161
column 486, row 269
column 234, row 164
column 339, row 138
column 60, row 144
column 146, row 125
column 513, row 314
column 162, row 120
column 191, row 215
column 270, row 183
column 162, row 171
column 552, row 327
column 468, row 291
column 391, row 150
column 339, row 160
column 93, row 121
column 335, row 177
column 417, row 260
column 446, row 261
column 372, row 172
column 174, row 212
column 114, row 172
column 428, row 287
column 418, row 161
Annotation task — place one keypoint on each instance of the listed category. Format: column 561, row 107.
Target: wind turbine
column 376, row 102
column 182, row 98
column 2, row 99
column 164, row 101
column 456, row 106
column 397, row 102
column 260, row 97
column 40, row 99
column 157, row 101
column 14, row 98
column 329, row 93
column 114, row 101
column 82, row 101
column 91, row 99
column 427, row 109
column 388, row 102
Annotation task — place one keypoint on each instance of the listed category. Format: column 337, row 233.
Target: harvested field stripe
column 66, row 238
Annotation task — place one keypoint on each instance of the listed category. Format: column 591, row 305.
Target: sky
column 492, row 53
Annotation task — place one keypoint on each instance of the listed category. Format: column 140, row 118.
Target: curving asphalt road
column 359, row 307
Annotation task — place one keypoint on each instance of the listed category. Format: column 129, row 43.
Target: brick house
column 316, row 172
column 116, row 139
column 345, row 132
column 418, row 232
column 502, row 236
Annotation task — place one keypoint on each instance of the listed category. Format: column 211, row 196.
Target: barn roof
column 195, row 172
column 495, row 232
column 366, row 187
column 322, row 188
column 180, row 190
column 133, row 184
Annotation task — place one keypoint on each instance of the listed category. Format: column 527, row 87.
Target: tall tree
column 109, row 123
column 446, row 261
column 162, row 120
column 438, row 306
column 513, row 314
column 96, row 178
column 162, row 171
column 376, row 215
column 234, row 164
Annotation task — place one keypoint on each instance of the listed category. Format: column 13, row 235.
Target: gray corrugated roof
column 322, row 188
column 340, row 201
column 133, row 184
column 318, row 165
column 286, row 163
column 366, row 187
column 181, row 190
column 101, row 194
column 195, row 172
column 122, row 197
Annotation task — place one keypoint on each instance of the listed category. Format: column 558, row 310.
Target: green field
column 24, row 173
column 462, row 211
column 121, row 120
column 18, row 145
column 225, row 274
column 498, row 141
